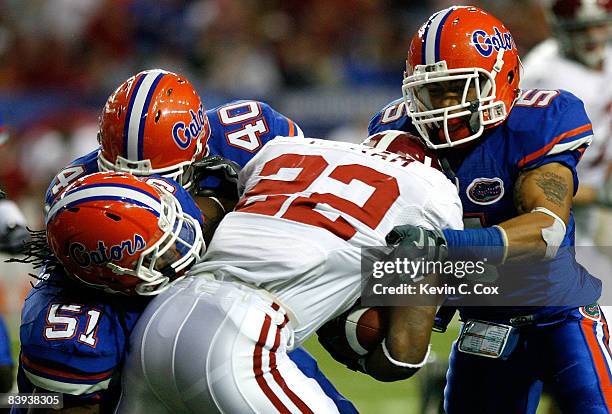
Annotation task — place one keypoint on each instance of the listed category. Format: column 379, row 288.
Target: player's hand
column 216, row 165
column 221, row 169
column 330, row 336
column 414, row 242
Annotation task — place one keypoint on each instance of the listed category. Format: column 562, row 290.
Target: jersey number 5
column 288, row 189
column 61, row 324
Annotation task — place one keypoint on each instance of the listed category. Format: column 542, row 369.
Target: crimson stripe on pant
column 277, row 376
column 259, row 375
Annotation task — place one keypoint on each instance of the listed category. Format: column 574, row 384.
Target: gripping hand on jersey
column 414, row 242
column 219, row 167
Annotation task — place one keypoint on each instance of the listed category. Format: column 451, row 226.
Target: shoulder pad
column 240, row 128
column 188, row 205
column 80, row 167
column 392, row 116
column 72, row 345
column 548, row 122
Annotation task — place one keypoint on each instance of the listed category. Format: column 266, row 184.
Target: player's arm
column 543, row 199
column 406, row 346
column 543, row 196
column 405, row 349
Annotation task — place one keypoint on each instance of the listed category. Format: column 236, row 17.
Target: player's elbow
column 407, row 348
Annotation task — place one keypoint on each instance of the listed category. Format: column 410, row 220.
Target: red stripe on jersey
column 41, row 368
column 261, row 381
column 554, row 142
column 599, row 360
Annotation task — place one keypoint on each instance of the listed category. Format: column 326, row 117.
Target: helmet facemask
column 181, row 172
column 180, row 246
column 475, row 92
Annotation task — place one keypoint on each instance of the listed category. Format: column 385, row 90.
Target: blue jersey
column 72, row 339
column 543, row 127
column 238, row 130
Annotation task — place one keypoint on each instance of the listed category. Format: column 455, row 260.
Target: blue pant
column 572, row 357
column 308, row 365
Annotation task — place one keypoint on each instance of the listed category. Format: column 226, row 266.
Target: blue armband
column 476, row 244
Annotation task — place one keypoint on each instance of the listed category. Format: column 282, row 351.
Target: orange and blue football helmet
column 469, row 52
column 154, row 123
column 121, row 233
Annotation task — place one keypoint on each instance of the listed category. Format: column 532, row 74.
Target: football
column 354, row 333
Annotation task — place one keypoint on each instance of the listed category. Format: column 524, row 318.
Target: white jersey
column 545, row 67
column 301, row 241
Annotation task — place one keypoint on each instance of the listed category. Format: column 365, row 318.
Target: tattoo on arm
column 518, row 194
column 554, row 187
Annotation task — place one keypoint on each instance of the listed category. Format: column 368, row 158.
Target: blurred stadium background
column 327, row 64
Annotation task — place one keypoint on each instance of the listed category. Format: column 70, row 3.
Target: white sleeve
column 443, row 209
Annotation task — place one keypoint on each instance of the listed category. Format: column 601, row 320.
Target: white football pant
column 207, row 346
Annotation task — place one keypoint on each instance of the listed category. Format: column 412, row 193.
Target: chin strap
column 497, row 67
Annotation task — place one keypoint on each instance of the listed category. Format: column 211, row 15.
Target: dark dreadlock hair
column 37, row 253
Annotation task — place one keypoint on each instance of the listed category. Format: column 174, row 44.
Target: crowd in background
column 328, row 64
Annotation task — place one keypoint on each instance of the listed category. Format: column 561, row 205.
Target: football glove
column 331, row 338
column 414, row 242
column 222, row 168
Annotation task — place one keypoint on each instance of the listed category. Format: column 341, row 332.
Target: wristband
column 404, row 364
column 474, row 244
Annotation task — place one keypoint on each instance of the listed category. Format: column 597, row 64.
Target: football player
column 154, row 123
column 514, row 155
column 284, row 262
column 581, row 54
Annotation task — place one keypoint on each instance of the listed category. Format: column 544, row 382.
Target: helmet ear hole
column 157, row 115
column 510, row 77
column 112, row 216
column 169, row 92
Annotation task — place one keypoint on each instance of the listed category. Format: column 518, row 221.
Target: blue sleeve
column 392, row 116
column 87, row 164
column 71, row 343
column 240, row 129
column 188, row 205
column 555, row 128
